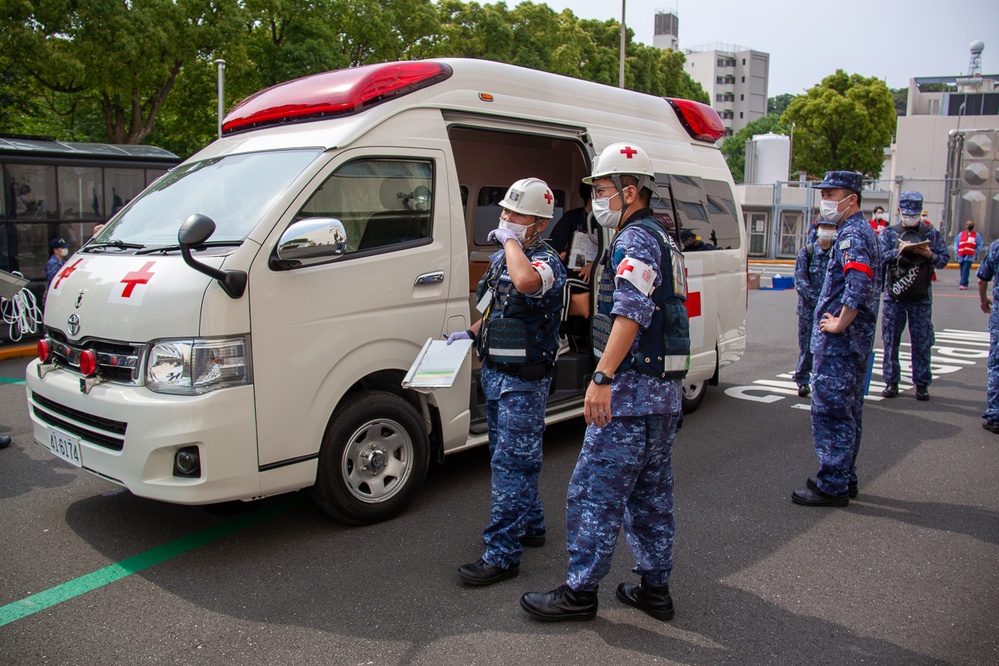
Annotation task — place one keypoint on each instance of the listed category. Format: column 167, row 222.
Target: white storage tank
column 767, row 159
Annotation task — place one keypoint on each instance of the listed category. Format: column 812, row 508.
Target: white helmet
column 620, row 159
column 530, row 196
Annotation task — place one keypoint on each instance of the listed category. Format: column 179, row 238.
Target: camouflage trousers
column 803, row 371
column 624, row 476
column 515, row 414
column 992, row 412
column 837, row 410
column 893, row 319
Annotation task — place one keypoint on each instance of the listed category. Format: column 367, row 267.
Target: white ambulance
column 242, row 327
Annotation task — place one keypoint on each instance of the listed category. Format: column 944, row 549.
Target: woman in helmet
column 520, row 298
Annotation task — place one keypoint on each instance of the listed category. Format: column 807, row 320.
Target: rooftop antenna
column 975, row 66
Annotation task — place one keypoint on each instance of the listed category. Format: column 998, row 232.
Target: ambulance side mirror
column 194, row 232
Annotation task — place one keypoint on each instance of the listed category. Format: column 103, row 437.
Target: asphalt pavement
column 906, row 574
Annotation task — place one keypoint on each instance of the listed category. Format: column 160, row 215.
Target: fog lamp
column 187, row 462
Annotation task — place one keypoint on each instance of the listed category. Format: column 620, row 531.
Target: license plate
column 65, row 446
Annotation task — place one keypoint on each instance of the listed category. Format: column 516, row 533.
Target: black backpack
column 908, row 276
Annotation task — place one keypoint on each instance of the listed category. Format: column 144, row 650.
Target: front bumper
column 129, row 435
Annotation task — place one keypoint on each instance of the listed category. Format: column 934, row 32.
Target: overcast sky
column 893, row 40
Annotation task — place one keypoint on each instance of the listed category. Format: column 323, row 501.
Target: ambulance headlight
column 192, row 367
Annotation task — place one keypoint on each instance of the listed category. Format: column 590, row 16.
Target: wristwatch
column 602, row 379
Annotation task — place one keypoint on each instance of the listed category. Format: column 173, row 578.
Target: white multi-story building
column 667, row 32
column 735, row 77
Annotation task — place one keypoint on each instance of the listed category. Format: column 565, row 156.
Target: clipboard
column 11, row 284
column 437, row 364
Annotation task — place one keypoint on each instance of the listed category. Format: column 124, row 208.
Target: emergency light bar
column 339, row 93
column 701, row 121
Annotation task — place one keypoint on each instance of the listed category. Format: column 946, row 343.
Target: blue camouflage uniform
column 624, row 474
column 918, row 312
column 515, row 409
column 840, row 359
column 809, row 274
column 987, row 270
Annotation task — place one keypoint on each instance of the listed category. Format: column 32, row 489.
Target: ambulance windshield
column 235, row 191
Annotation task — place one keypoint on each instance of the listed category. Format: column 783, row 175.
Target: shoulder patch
column 844, row 244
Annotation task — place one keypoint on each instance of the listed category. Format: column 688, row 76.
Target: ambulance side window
column 380, row 202
column 707, row 213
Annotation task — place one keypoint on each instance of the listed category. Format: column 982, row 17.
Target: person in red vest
column 967, row 245
column 880, row 220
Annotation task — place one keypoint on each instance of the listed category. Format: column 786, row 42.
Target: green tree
column 845, row 122
column 734, row 147
column 779, row 103
column 122, row 58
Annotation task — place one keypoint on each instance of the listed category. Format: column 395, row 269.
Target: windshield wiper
column 174, row 248
column 121, row 245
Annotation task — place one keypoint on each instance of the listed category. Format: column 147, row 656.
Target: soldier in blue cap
column 909, row 251
column 842, row 340
column 624, row 476
column 520, row 297
column 809, row 274
column 986, row 272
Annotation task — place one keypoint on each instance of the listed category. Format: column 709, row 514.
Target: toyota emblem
column 74, row 324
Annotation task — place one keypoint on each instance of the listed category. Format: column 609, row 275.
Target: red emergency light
column 88, row 363
column 44, row 351
column 339, row 93
column 701, row 121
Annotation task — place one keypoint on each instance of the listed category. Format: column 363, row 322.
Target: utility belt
column 529, row 371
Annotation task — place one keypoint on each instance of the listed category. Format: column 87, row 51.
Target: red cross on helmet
column 530, row 196
column 619, row 159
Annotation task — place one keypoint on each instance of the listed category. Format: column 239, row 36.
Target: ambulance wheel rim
column 377, row 460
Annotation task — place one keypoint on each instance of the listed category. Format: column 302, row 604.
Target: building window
column 744, row 78
column 743, row 61
column 742, row 98
column 741, row 114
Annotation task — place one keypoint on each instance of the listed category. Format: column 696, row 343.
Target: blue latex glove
column 501, row 236
column 460, row 335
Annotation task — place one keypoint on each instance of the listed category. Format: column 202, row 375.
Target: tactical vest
column 968, row 245
column 664, row 350
column 513, row 331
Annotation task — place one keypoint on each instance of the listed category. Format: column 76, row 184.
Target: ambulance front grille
column 107, row 433
column 116, row 361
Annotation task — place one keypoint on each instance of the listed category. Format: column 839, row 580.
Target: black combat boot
column 652, row 599
column 890, row 391
column 562, row 603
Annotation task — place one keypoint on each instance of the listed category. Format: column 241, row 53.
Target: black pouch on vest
column 506, row 341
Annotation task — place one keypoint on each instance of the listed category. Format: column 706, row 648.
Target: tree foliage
column 845, row 122
column 128, row 71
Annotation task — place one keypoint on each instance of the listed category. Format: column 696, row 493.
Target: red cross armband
column 546, row 273
column 637, row 272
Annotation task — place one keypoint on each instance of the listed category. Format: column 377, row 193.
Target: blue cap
column 56, row 243
column 846, row 180
column 910, row 203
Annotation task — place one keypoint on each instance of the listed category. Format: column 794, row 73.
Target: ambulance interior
column 487, row 162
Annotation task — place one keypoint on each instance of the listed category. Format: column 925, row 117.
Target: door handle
column 429, row 278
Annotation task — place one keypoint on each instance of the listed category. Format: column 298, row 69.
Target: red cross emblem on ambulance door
column 629, row 152
column 133, row 278
column 693, row 302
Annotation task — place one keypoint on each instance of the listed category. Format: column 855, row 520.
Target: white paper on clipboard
column 582, row 251
column 437, row 364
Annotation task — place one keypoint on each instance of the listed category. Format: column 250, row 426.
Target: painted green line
column 8, row 380
column 64, row 592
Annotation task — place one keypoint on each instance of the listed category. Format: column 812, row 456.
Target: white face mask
column 519, row 230
column 830, row 209
column 910, row 221
column 826, row 235
column 606, row 217
column 879, row 216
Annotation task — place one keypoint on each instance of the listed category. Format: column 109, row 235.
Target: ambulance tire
column 373, row 459
column 693, row 395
